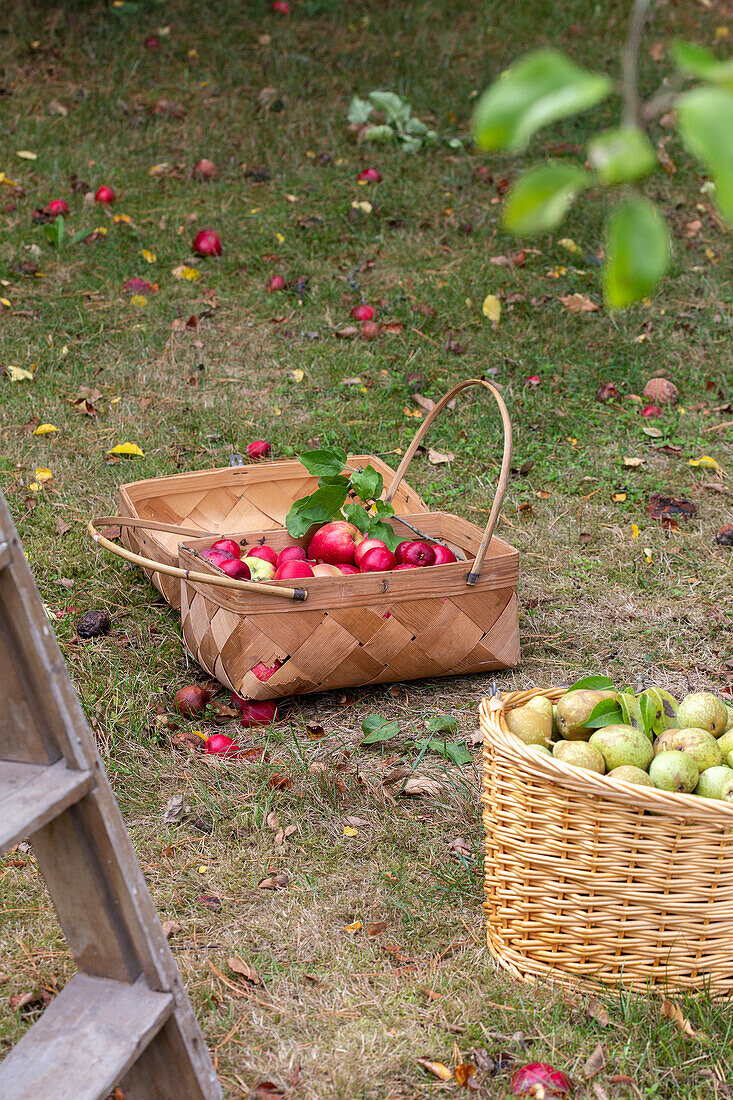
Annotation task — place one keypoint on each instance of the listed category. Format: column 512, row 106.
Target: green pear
column 631, row 775
column 699, row 744
column 574, row 710
column 726, row 793
column 621, row 745
column 712, row 782
column 729, row 759
column 533, row 724
column 673, row 770
column 729, row 724
column 725, row 743
column 580, row 754
column 703, row 710
column 540, row 748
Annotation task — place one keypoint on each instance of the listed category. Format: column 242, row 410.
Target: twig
column 431, row 538
column 630, row 62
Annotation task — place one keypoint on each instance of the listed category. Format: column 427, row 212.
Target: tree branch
column 630, row 62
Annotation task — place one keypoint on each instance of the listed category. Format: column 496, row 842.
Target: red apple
column 238, row 570
column 321, row 569
column 151, row 42
column 259, row 449
column 405, row 565
column 264, row 552
column 58, row 206
column 334, row 543
column 216, row 557
column 367, row 544
column 281, row 7
column 363, row 313
column 263, row 672
column 415, row 552
column 260, row 570
column 347, row 570
column 651, row 410
column 533, row 381
column 290, row 570
column 205, row 170
column 369, row 175
column 377, row 560
column 229, row 546
column 443, row 555
column 221, row 745
column 274, row 283
column 207, row 243
column 104, row 194
column 257, row 713
column 191, row 701
column 291, row 553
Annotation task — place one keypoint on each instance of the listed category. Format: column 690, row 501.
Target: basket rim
column 582, row 781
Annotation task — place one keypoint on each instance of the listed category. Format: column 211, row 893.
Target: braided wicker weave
column 595, row 880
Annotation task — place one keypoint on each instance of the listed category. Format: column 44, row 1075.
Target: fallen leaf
column 376, row 928
column 176, row 809
column 633, row 461
column 705, row 462
column 618, row 498
column 462, row 1072
column 183, row 271
column 84, row 406
column 139, row 301
column 25, row 154
column 578, row 303
column 355, row 927
column 595, row 1062
column 652, row 432
column 438, row 458
column 209, row 901
column 239, row 966
column 61, row 527
column 149, row 256
column 431, row 994
column 350, row 831
column 724, row 536
column 436, row 1069
column 599, row 1091
column 461, row 847
column 491, row 308
column 421, row 785
column 280, row 782
column 125, row 449
column 597, row 1011
column 358, row 822
column 297, row 375
column 570, row 246
column 272, row 820
column 673, row 1012
column 43, row 474
column 170, row 928
column 276, row 880
column 55, row 107
column 266, row 1090
column 659, row 507
column 19, row 374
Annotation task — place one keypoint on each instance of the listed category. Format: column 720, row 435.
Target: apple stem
column 432, row 538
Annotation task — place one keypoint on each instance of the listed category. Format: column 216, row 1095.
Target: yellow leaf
column 35, row 487
column 298, row 374
column 149, row 256
column 437, row 1069
column 705, row 462
column 570, row 246
column 617, row 498
column 349, row 830
column 139, row 300
column 102, row 230
column 183, row 271
column 125, row 449
column 491, row 308
column 44, row 429
column 280, row 238
column 355, row 926
column 633, row 461
column 19, row 374
column 202, row 868
column 6, row 302
column 673, row 1012
column 124, row 218
column 8, row 182
column 556, row 272
column 634, row 531
column 42, row 474
column 24, row 154
column 648, row 555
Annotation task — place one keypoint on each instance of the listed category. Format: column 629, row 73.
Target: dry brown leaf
column 209, row 901
column 436, row 1069
column 578, row 303
column 266, row 1090
column 430, row 993
column 599, row 1091
column 376, row 928
column 594, row 1063
column 276, row 880
column 421, row 785
column 62, row 527
column 357, row 822
column 633, row 462
column 170, row 928
column 348, row 332
column 673, row 1012
column 438, row 458
column 461, row 847
column 239, row 966
column 597, row 1011
column 462, row 1073
column 272, row 820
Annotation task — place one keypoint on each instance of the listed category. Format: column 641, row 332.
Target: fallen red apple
column 255, row 713
column 259, row 449
column 533, row 381
column 651, row 410
column 369, row 175
column 205, row 170
column 236, row 569
column 216, row 557
column 377, row 560
column 191, row 701
column 263, row 672
column 415, row 552
column 291, row 553
column 369, row 330
column 540, row 1079
column 260, row 570
column 151, row 42
column 443, row 555
column 104, row 194
column 334, row 543
column 290, row 570
column 274, row 283
column 347, row 570
column 58, row 207
column 136, row 285
column 221, row 745
column 322, row 569
column 229, row 546
column 281, row 7
column 207, row 243
column 367, row 544
column 363, row 313
column 264, row 552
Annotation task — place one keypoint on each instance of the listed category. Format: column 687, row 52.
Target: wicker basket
column 237, row 498
column 594, row 880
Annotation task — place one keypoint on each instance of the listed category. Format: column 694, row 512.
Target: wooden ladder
column 124, row 1018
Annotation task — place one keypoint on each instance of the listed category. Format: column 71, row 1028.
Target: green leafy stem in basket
column 652, row 710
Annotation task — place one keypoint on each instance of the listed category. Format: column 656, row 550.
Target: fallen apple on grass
column 254, row 712
column 207, row 243
column 205, row 170
column 275, row 283
column 221, row 745
column 335, row 543
column 369, row 175
column 58, row 207
column 363, row 313
column 104, row 194
column 191, row 701
column 260, row 448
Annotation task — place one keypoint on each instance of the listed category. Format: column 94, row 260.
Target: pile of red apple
column 336, row 548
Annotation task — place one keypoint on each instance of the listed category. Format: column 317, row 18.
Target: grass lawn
column 194, row 372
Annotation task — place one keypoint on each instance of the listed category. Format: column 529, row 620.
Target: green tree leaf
column 367, row 483
column 704, row 121
column 442, row 723
column 384, row 507
column 320, row 507
column 358, row 515
column 592, row 683
column 380, row 134
column 697, row 61
column 376, row 729
column 539, row 89
column 605, row 713
column 324, row 463
column 451, row 750
column 622, row 155
column 637, row 252
column 383, row 531
column 396, row 109
column 359, row 111
column 540, row 198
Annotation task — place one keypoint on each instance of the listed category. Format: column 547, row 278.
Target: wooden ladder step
column 85, row 1042
column 31, row 795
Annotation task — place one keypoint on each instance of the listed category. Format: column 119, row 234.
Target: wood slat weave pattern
column 233, row 499
column 367, row 629
column 593, row 880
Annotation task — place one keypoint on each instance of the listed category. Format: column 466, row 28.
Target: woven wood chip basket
column 231, row 499
column 593, row 880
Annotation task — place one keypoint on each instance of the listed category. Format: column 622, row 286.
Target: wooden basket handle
column 501, row 487
column 156, row 525
column 267, row 589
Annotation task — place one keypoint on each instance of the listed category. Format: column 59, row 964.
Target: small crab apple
column 363, row 312
column 259, row 449
column 275, row 283
column 369, row 175
column 58, row 206
column 415, row 552
column 650, row 411
column 229, row 546
column 205, row 170
column 221, row 745
column 280, row 7
column 207, row 243
column 104, row 194
column 533, row 381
